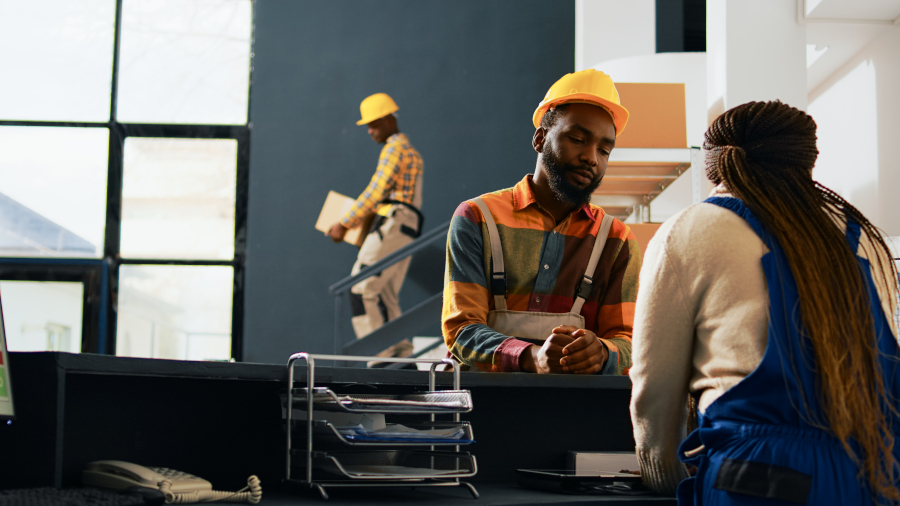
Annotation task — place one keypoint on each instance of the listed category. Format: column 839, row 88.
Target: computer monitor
column 6, row 397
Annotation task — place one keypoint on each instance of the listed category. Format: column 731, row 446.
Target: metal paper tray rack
column 387, row 467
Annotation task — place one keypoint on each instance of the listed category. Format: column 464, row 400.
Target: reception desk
column 223, row 421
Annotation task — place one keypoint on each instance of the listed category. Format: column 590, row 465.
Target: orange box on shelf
column 643, row 232
column 656, row 115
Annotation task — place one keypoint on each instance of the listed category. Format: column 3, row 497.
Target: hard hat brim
column 368, row 119
column 620, row 114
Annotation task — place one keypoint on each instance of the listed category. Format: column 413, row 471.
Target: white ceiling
column 846, row 38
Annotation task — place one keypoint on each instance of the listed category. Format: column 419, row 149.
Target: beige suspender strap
column 498, row 276
column 587, row 282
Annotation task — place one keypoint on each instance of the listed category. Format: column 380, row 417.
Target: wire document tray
column 443, row 401
column 430, row 433
column 388, row 466
column 397, row 465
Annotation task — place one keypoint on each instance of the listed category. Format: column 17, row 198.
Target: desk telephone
column 178, row 487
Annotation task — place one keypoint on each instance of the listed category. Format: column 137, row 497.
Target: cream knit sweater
column 700, row 326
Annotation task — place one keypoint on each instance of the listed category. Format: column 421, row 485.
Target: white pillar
column 610, row 29
column 755, row 50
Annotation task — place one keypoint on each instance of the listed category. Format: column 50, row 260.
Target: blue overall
column 761, row 444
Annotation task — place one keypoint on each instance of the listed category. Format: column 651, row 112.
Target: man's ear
column 537, row 142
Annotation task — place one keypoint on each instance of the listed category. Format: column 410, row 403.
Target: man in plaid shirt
column 542, row 309
column 394, row 195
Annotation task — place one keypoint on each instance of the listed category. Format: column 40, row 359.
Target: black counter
column 491, row 494
column 222, row 421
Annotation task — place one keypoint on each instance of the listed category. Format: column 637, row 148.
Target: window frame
column 101, row 276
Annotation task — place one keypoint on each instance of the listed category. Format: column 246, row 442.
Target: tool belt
column 378, row 219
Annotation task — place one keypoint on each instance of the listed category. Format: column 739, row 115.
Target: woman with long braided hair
column 773, row 305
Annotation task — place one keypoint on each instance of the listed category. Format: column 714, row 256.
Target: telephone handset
column 178, row 487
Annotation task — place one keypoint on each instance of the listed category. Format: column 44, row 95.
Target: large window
column 57, row 60
column 53, row 191
column 43, row 316
column 184, row 61
column 123, row 166
column 193, row 218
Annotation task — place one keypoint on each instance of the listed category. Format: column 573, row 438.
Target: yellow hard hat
column 376, row 106
column 591, row 86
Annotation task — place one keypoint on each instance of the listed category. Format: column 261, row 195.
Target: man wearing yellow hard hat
column 538, row 279
column 394, row 196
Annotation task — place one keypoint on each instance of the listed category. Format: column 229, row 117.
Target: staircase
column 413, row 320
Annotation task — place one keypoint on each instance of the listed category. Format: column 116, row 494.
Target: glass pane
column 175, row 311
column 42, row 315
column 178, row 198
column 185, row 62
column 56, row 57
column 52, row 191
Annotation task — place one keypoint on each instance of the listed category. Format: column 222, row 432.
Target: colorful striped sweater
column 544, row 265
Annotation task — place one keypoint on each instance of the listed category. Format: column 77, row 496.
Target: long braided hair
column 764, row 153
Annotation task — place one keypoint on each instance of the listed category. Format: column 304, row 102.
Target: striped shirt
column 399, row 168
column 544, row 264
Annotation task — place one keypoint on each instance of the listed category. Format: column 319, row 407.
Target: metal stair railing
column 408, row 323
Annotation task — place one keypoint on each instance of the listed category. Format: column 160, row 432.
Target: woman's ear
column 537, row 142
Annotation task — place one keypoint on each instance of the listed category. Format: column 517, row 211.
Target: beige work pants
column 376, row 299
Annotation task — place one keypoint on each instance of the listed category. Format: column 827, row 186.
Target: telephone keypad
column 173, row 475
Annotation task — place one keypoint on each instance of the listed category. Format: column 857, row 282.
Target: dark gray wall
column 680, row 26
column 467, row 76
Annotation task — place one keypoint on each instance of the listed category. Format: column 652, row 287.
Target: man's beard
column 556, row 175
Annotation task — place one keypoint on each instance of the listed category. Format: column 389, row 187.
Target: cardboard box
column 335, row 207
column 643, row 232
column 656, row 115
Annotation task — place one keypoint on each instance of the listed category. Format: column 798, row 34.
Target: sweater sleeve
column 662, row 354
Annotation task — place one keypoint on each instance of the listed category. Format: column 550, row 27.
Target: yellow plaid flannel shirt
column 399, row 168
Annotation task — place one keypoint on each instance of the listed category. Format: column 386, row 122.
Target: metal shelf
column 636, row 176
